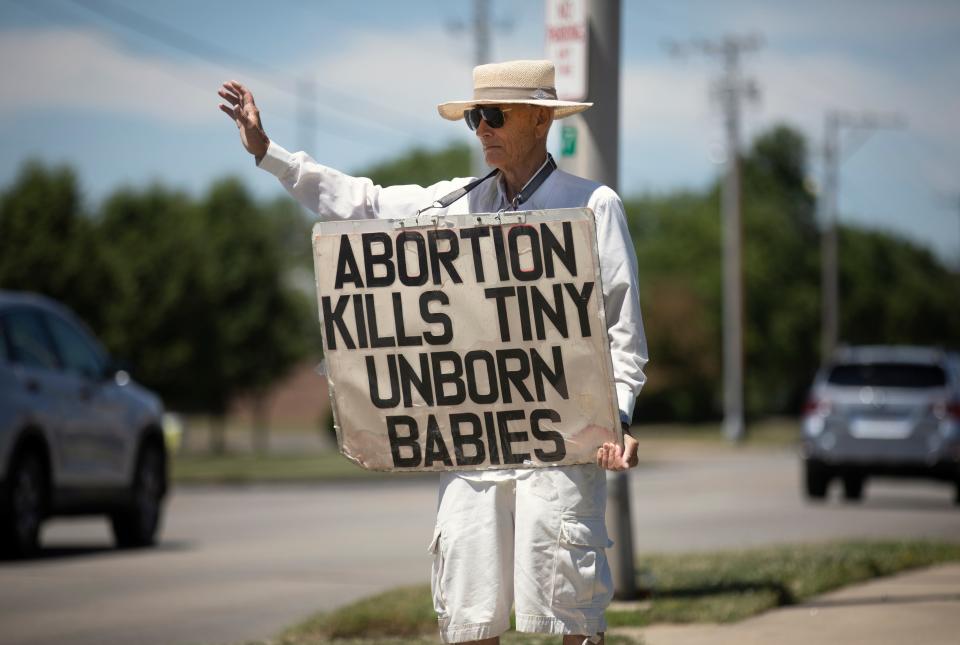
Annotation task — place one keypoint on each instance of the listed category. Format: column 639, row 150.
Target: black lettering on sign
column 409, row 376
column 454, row 377
column 534, row 253
column 383, row 259
column 474, row 439
column 510, row 376
column 358, row 320
column 560, row 448
column 334, row 318
column 421, row 256
column 581, row 298
column 491, row 427
column 500, row 253
column 402, row 339
column 446, row 258
column 556, row 376
column 566, row 253
column 410, row 441
column 435, row 449
column 374, row 385
column 376, row 340
column 470, row 362
column 507, row 438
column 347, row 270
column 501, row 294
column 532, row 303
column 524, row 306
column 444, row 378
column 556, row 313
column 474, row 235
column 432, row 318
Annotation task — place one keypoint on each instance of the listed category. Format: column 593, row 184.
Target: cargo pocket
column 436, row 575
column 582, row 576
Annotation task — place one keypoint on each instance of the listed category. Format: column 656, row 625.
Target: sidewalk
column 921, row 606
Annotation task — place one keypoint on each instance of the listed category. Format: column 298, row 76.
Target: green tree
column 422, row 167
column 47, row 243
column 159, row 318
column 261, row 326
column 892, row 291
column 204, row 310
column 207, row 299
column 781, row 273
column 677, row 240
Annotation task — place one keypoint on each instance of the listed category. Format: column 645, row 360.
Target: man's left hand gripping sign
column 468, row 344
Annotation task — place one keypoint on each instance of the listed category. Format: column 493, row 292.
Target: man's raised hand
column 246, row 116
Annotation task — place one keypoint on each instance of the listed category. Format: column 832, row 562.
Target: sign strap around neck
column 535, row 182
column 525, row 193
column 449, row 198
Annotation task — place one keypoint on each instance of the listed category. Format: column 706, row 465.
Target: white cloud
column 672, row 97
column 87, row 70
column 401, row 76
column 801, row 89
column 808, row 85
column 870, row 20
column 398, row 78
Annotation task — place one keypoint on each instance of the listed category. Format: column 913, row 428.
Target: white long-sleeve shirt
column 333, row 195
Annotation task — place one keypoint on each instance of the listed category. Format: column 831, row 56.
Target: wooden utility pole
column 732, row 90
column 592, row 149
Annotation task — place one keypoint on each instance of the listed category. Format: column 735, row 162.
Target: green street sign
column 568, row 138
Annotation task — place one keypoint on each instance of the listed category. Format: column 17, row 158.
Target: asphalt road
column 241, row 563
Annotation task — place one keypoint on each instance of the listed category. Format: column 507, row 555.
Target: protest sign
column 474, row 342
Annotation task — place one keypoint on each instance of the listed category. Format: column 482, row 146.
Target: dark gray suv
column 77, row 435
column 886, row 411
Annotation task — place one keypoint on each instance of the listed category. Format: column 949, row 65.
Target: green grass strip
column 722, row 586
column 249, row 468
column 728, row 586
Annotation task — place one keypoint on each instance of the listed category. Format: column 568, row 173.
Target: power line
column 670, row 15
column 211, row 53
column 41, row 9
column 732, row 90
column 179, row 39
column 480, row 25
column 863, row 124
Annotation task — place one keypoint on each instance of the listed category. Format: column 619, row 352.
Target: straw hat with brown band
column 516, row 81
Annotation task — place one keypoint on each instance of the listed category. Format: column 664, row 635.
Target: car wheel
column 816, row 479
column 853, row 488
column 25, row 506
column 137, row 525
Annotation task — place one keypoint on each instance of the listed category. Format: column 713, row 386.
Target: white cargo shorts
column 537, row 540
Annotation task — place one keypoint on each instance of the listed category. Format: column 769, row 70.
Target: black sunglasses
column 492, row 115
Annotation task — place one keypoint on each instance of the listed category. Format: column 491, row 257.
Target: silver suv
column 77, row 435
column 882, row 410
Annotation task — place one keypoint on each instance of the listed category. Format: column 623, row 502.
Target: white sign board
column 567, row 38
column 468, row 344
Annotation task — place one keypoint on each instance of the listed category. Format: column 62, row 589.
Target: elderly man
column 532, row 539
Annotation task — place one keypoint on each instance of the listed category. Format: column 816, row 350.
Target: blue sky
column 81, row 86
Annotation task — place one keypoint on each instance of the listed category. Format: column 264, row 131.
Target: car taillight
column 953, row 410
column 816, row 406
column 943, row 410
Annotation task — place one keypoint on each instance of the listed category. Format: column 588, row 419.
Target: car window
column 76, row 351
column 28, row 340
column 4, row 355
column 908, row 375
column 954, row 362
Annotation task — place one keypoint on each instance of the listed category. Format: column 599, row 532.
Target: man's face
column 511, row 145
